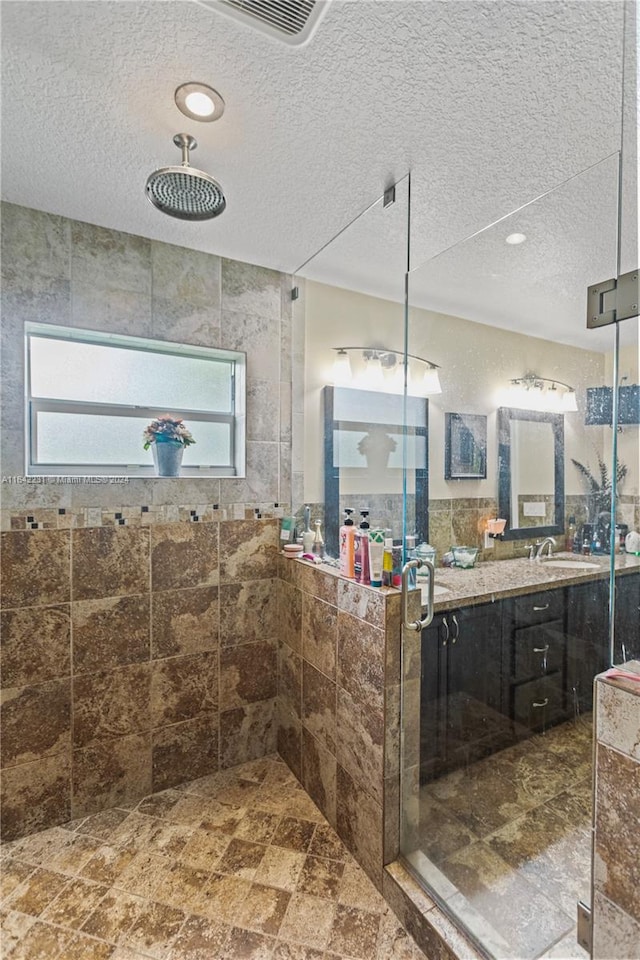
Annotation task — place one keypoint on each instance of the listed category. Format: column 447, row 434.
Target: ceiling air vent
column 293, row 21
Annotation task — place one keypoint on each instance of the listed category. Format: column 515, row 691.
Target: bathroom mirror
column 365, row 449
column 530, row 472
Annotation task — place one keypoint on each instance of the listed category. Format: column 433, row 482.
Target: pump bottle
column 347, row 538
column 361, row 552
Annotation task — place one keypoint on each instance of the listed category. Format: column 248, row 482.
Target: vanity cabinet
column 495, row 673
column 534, row 658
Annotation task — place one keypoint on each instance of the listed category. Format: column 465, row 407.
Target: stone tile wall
column 133, row 659
column 616, row 904
column 60, row 271
column 338, row 702
column 138, row 619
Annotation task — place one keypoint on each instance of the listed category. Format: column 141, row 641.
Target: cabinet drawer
column 539, row 703
column 538, row 650
column 538, row 608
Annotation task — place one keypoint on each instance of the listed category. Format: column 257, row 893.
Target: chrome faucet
column 547, row 542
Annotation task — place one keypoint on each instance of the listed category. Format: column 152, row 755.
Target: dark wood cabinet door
column 627, row 618
column 587, row 640
column 461, row 702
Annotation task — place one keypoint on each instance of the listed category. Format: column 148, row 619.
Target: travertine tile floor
column 512, row 833
column 239, row 865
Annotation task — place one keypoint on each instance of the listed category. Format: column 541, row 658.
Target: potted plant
column 167, row 436
column 599, row 488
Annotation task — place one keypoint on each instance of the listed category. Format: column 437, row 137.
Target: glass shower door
column 497, row 691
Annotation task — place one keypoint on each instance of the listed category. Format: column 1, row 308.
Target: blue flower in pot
column 167, row 436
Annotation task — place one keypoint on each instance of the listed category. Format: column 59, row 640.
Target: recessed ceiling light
column 199, row 101
column 515, row 238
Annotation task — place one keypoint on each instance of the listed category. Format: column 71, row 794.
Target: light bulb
column 518, row 396
column 200, row 103
column 342, row 369
column 373, row 374
column 431, row 381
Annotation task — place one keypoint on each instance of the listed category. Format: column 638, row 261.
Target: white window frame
column 236, row 418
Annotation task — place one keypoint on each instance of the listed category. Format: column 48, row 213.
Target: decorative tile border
column 63, row 518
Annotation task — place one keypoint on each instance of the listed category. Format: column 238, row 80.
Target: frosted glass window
column 93, row 373
column 83, row 438
column 90, row 396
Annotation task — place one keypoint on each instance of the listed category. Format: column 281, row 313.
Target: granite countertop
column 494, row 579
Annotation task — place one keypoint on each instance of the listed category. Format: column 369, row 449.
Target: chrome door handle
column 414, row 565
column 457, row 626
column 446, row 627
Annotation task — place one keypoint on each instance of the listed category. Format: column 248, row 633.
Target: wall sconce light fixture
column 384, row 370
column 532, row 392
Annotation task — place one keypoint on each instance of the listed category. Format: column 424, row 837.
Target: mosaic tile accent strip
column 55, row 518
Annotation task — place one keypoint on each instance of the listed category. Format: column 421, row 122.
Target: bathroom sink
column 438, row 591
column 570, row 564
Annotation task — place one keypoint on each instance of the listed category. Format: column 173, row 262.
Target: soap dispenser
column 361, row 551
column 347, row 538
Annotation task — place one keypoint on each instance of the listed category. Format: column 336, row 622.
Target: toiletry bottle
column 376, row 556
column 307, row 533
column 410, row 553
column 361, row 551
column 347, row 535
column 318, row 542
column 396, row 577
column 387, row 563
column 571, row 535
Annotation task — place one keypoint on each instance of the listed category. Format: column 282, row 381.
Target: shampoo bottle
column 347, row 537
column 361, row 552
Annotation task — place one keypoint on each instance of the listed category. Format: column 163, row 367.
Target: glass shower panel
column 352, row 301
column 497, row 691
column 626, row 509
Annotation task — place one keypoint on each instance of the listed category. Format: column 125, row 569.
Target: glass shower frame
column 445, row 892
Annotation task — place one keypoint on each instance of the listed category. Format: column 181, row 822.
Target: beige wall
column 477, row 362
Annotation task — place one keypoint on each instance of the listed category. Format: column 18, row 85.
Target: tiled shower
column 139, row 618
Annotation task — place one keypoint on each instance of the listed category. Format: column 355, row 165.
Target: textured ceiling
column 488, row 104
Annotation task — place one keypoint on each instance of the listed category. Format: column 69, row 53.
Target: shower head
column 184, row 192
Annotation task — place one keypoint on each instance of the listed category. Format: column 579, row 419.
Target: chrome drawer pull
column 541, row 649
column 542, row 703
column 545, row 607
